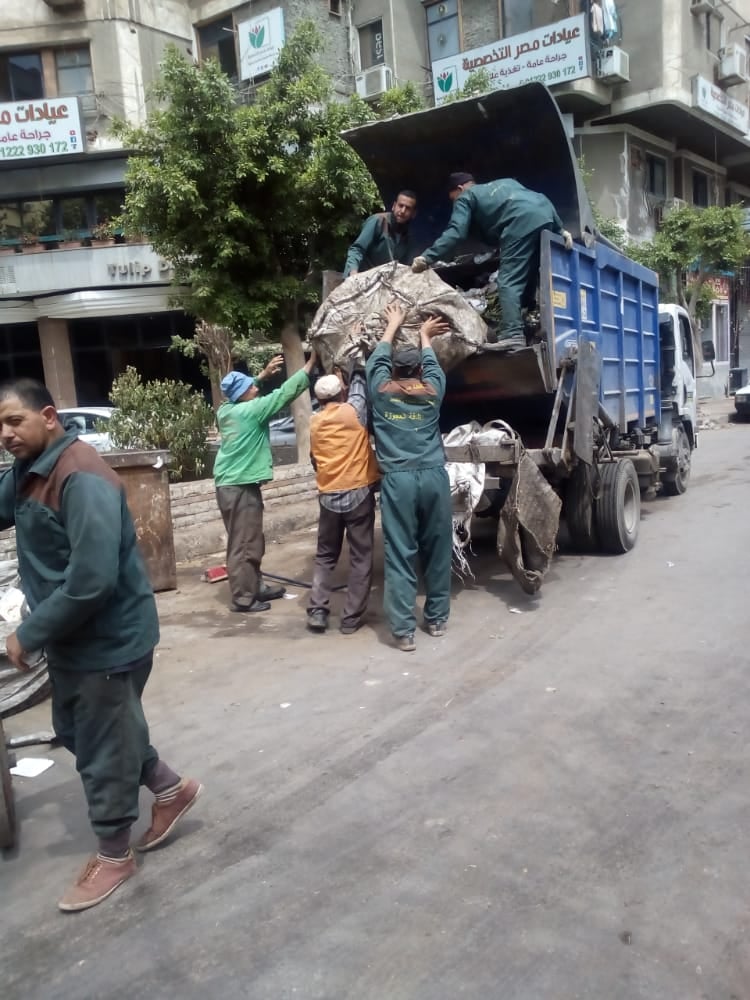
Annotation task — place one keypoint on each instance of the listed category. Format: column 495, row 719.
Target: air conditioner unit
column 732, row 65
column 672, row 204
column 614, row 65
column 374, row 82
column 89, row 104
column 703, row 6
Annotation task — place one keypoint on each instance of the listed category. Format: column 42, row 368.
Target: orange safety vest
column 341, row 448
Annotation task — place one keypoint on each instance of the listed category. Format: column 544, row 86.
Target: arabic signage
column 715, row 102
column 40, row 128
column 556, row 53
column 261, row 40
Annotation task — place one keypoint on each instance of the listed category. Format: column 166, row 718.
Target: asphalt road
column 543, row 805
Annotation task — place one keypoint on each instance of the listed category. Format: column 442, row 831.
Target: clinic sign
column 34, row 129
column 715, row 102
column 261, row 40
column 557, row 53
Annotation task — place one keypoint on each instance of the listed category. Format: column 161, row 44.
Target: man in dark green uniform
column 405, row 391
column 506, row 214
column 384, row 237
column 93, row 611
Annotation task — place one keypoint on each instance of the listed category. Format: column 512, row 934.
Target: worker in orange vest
column 346, row 472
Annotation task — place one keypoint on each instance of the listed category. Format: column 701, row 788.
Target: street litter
column 515, row 611
column 550, row 690
column 285, row 704
column 31, row 767
column 290, row 597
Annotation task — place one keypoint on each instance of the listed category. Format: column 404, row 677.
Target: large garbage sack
column 529, row 520
column 349, row 323
column 17, row 690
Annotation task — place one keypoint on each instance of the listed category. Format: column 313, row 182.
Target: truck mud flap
column 527, row 531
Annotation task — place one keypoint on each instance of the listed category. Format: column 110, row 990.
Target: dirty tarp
column 527, row 531
column 17, row 690
column 349, row 323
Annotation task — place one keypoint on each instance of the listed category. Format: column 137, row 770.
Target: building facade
column 654, row 92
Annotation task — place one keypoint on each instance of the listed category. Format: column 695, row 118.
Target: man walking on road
column 406, row 390
column 243, row 463
column 93, row 611
column 346, row 471
column 503, row 213
column 384, row 237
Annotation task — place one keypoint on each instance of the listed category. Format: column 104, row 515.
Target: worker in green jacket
column 501, row 213
column 243, row 463
column 384, row 237
column 93, row 612
column 406, row 389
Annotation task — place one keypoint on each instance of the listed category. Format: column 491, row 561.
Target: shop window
column 656, row 176
column 443, row 31
column 371, row 45
column 21, row 77
column 700, row 189
column 74, row 75
column 216, row 41
column 73, row 215
column 108, row 205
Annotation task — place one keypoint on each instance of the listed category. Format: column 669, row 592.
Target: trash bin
column 737, row 379
column 146, row 483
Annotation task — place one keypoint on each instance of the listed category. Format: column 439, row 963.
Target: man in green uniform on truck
column 506, row 214
column 243, row 463
column 406, row 389
column 384, row 237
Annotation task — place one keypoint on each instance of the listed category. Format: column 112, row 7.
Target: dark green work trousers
column 517, row 279
column 99, row 718
column 416, row 516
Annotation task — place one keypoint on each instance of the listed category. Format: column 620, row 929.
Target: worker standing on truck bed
column 406, row 389
column 384, row 237
column 506, row 214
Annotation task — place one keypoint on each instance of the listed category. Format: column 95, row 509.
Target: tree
column 250, row 201
column 692, row 245
column 479, row 82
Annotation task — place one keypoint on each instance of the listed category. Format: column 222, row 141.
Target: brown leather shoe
column 165, row 817
column 99, row 879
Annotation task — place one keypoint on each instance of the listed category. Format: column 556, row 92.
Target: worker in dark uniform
column 384, row 237
column 506, row 214
column 406, row 389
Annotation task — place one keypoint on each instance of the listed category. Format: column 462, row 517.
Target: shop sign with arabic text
column 556, row 53
column 261, row 40
column 31, row 129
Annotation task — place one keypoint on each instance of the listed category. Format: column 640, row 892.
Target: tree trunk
column 214, row 376
column 294, row 356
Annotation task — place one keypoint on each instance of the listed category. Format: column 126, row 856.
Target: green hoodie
column 244, row 455
column 92, row 606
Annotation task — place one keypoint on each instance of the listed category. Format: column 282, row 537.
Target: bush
column 161, row 415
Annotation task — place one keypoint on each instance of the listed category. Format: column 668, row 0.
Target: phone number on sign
column 34, row 149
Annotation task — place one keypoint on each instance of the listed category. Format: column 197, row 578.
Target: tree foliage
column 479, row 82
column 160, row 415
column 400, row 100
column 692, row 245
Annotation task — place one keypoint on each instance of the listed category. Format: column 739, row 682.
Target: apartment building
column 654, row 93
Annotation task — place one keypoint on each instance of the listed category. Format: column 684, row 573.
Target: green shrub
column 161, row 415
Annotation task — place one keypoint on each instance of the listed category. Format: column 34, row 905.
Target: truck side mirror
column 709, row 351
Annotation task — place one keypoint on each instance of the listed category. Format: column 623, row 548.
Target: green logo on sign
column 445, row 80
column 257, row 34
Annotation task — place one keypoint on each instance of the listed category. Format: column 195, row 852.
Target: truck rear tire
column 677, row 482
column 579, row 509
column 618, row 509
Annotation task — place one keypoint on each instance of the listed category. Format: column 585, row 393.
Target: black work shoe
column 271, row 593
column 350, row 628
column 255, row 606
column 317, row 621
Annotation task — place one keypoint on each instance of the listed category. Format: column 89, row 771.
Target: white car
column 88, row 419
column 742, row 401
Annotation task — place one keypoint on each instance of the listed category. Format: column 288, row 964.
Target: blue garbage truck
column 602, row 400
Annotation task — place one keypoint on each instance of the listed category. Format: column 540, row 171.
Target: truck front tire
column 618, row 509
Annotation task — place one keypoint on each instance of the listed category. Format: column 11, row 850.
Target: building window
column 700, row 189
column 21, row 77
column 443, row 32
column 216, row 41
column 74, row 75
column 656, row 176
column 721, row 332
column 371, row 45
column 334, row 7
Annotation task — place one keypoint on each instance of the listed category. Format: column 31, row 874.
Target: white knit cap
column 328, row 387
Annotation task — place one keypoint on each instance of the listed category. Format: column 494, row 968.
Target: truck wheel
column 677, row 482
column 618, row 509
column 7, row 811
column 579, row 508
